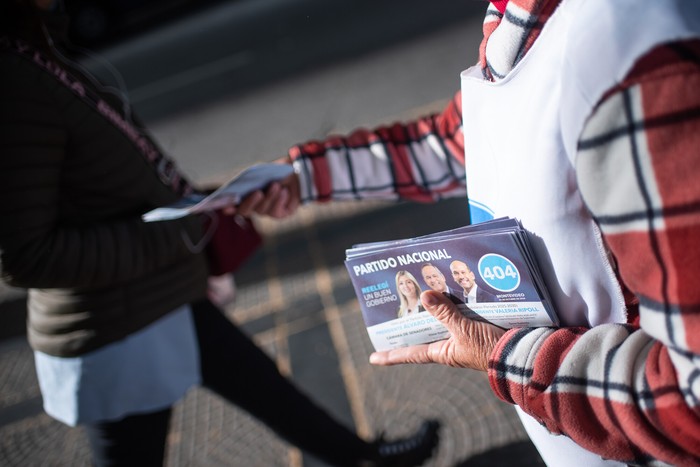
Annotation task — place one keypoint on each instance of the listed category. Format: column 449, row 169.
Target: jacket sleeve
column 38, row 247
column 422, row 161
column 629, row 392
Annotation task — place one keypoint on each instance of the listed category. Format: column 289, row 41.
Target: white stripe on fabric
column 641, row 385
column 304, row 169
column 492, row 14
column 505, row 43
column 688, row 382
column 645, row 158
column 584, row 371
column 633, row 353
column 657, row 322
column 371, row 172
column 436, row 165
column 607, row 169
column 338, row 168
column 524, row 354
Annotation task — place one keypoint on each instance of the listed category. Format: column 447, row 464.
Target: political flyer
column 488, row 270
column 255, row 177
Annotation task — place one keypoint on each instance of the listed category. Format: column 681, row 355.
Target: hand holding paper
column 263, row 188
column 490, row 273
column 280, row 199
column 469, row 345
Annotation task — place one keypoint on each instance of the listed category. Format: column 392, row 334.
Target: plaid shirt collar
column 510, row 29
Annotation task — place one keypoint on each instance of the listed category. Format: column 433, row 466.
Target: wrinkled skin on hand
column 469, row 346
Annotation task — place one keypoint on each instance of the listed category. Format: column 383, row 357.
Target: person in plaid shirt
column 623, row 386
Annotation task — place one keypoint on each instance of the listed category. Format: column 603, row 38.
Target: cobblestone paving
column 295, row 285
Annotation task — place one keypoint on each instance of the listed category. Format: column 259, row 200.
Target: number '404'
column 497, row 272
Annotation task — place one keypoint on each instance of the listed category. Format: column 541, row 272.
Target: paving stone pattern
column 296, row 300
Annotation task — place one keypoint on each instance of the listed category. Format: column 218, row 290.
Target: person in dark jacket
column 118, row 315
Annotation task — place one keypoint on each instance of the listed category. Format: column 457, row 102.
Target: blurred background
column 223, row 84
column 226, row 83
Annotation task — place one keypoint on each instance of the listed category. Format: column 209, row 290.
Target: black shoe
column 411, row 451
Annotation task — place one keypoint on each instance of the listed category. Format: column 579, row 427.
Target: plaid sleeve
column 630, row 393
column 420, row 161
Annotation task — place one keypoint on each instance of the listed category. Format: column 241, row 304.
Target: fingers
column 272, row 196
column 250, row 203
column 469, row 345
column 271, row 202
column 275, row 203
column 444, row 310
column 279, row 199
column 278, row 206
column 228, row 210
column 415, row 354
column 292, row 185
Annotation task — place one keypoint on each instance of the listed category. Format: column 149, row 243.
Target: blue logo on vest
column 499, row 272
column 479, row 212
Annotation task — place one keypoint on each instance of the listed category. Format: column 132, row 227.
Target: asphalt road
column 241, row 81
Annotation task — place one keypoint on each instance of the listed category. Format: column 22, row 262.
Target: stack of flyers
column 488, row 270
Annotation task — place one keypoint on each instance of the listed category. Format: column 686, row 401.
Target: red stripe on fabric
column 451, row 124
column 671, row 123
column 668, row 430
column 313, row 151
column 614, row 430
column 360, row 138
column 550, row 357
column 419, row 130
column 322, row 175
column 400, row 163
column 500, row 5
column 322, row 178
column 403, row 175
column 456, row 147
column 679, row 246
column 661, row 374
column 683, row 424
column 531, row 6
column 664, row 60
column 488, row 28
column 618, row 427
column 636, row 251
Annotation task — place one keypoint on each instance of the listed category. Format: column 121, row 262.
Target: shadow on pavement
column 519, row 454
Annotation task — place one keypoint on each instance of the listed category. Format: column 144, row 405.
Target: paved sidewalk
column 296, row 299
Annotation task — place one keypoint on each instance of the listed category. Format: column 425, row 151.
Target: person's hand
column 469, row 345
column 279, row 199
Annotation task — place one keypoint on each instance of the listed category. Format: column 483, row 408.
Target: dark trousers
column 236, row 369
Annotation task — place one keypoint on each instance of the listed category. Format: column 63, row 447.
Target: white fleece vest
column 521, row 133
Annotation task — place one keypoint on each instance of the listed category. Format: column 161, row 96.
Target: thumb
column 444, row 310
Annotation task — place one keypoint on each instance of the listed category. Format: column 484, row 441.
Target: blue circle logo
column 499, row 272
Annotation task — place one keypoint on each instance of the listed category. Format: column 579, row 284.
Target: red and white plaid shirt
column 629, row 392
